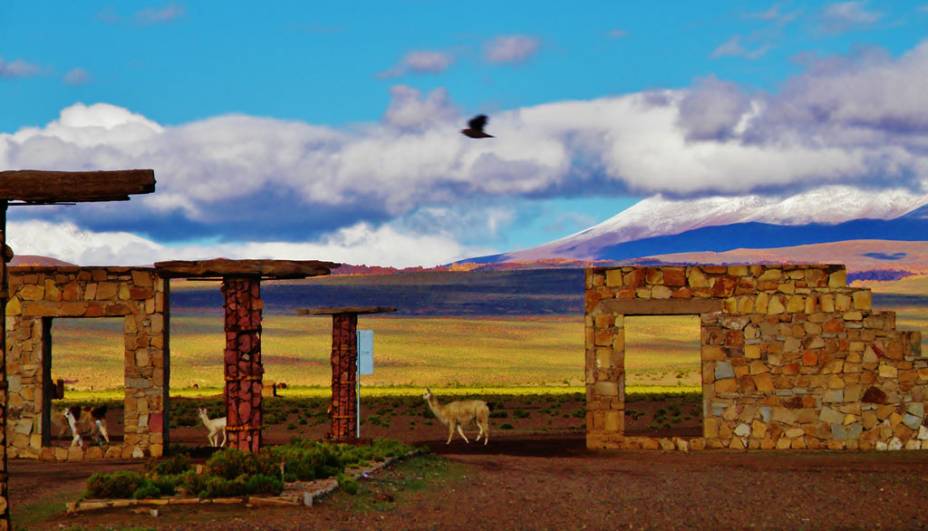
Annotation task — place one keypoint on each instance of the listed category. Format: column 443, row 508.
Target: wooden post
column 4, row 395
column 344, row 376
column 243, row 368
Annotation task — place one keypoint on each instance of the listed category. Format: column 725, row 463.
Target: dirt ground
column 553, row 483
column 408, row 419
column 548, row 480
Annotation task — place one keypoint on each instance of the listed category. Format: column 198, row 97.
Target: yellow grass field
column 409, row 352
column 467, row 353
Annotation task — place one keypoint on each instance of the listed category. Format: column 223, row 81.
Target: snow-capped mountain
column 660, row 225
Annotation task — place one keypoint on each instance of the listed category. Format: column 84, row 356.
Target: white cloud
column 358, row 244
column 511, row 48
column 18, row 68
column 77, row 76
column 160, row 15
column 409, row 110
column 844, row 16
column 860, row 122
column 774, row 14
column 420, row 62
column 733, row 48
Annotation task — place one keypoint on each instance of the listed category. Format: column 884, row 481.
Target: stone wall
column 791, row 358
column 39, row 294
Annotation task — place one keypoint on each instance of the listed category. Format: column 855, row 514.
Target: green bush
column 176, row 464
column 168, row 484
column 262, row 484
column 347, row 484
column 219, row 487
column 506, row 426
column 114, row 485
column 231, row 463
column 147, row 490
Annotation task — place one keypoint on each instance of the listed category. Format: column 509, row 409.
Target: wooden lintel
column 224, row 267
column 39, row 186
column 336, row 310
column 659, row 306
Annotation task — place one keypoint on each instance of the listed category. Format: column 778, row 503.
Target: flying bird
column 475, row 127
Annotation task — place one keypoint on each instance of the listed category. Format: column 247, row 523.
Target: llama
column 88, row 419
column 214, row 426
column 459, row 413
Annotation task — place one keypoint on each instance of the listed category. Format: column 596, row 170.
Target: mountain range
column 866, row 231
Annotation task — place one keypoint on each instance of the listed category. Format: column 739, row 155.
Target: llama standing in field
column 214, row 426
column 460, row 413
column 88, row 419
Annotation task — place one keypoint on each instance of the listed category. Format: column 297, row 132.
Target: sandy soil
column 553, row 483
column 548, row 480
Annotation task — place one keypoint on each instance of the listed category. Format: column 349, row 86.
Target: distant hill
column 36, row 260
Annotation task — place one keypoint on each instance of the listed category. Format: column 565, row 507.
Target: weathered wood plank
column 335, row 310
column 223, row 267
column 659, row 306
column 76, row 186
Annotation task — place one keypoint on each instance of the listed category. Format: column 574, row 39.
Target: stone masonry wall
column 138, row 295
column 791, row 358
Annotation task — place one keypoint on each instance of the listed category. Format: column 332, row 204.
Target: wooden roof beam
column 39, row 186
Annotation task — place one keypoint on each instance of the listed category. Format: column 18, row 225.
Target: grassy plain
column 469, row 353
column 409, row 352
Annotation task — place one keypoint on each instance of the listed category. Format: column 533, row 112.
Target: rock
column 911, row 421
column 922, row 433
column 916, row 408
column 743, row 430
column 138, row 453
column 888, row 371
column 723, row 370
column 666, row 444
column 874, row 395
column 831, row 416
column 881, row 446
column 895, row 444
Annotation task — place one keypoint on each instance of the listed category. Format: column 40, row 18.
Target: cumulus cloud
column 844, row 16
column 420, row 62
column 160, row 15
column 358, row 244
column 410, row 110
column 18, row 68
column 733, row 48
column 511, row 48
column 77, row 76
column 713, row 109
column 859, row 121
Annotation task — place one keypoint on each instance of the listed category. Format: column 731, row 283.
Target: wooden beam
column 336, row 310
column 75, row 186
column 659, row 306
column 224, row 267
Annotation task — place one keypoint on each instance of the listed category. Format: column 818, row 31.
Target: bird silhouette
column 475, row 127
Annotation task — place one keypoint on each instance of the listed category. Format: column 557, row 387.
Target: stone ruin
column 38, row 295
column 791, row 358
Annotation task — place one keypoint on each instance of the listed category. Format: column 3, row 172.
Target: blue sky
column 325, row 65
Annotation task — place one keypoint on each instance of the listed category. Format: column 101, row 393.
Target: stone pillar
column 344, row 377
column 243, row 368
column 605, row 375
column 4, row 295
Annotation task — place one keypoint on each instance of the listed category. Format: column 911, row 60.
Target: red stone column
column 243, row 366
column 344, row 377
